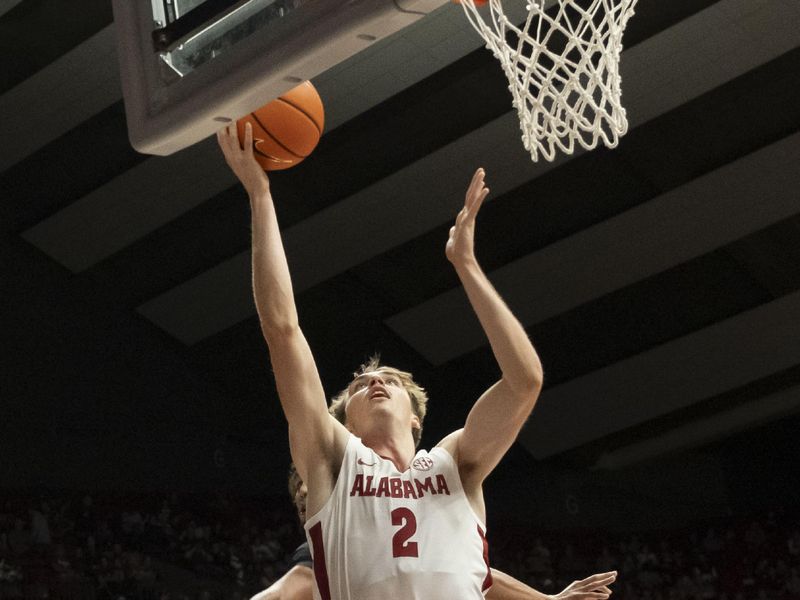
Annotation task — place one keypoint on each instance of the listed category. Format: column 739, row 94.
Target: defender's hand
column 594, row 587
column 241, row 161
column 460, row 247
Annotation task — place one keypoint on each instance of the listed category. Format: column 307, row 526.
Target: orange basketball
column 286, row 130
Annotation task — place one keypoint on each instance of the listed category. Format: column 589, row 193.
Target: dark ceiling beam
column 714, row 210
column 708, row 362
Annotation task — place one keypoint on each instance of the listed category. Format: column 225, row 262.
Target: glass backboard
column 189, row 66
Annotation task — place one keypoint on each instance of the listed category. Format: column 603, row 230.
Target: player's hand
column 594, row 587
column 240, row 159
column 460, row 248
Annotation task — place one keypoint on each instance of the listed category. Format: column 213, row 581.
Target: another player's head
column 298, row 491
column 377, row 391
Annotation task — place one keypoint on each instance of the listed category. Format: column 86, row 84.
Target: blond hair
column 419, row 399
column 294, row 480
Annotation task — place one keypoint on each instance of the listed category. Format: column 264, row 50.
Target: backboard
column 190, row 66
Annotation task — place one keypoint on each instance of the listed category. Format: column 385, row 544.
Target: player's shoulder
column 450, row 444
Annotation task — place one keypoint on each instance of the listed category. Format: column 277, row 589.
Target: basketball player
column 387, row 522
column 297, row 583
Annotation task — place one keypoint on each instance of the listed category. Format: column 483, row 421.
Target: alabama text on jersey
column 384, row 534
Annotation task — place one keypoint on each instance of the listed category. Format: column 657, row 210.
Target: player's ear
column 415, row 424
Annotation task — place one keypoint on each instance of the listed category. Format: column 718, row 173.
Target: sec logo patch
column 423, row 463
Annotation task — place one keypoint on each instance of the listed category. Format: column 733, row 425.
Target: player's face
column 300, row 501
column 375, row 393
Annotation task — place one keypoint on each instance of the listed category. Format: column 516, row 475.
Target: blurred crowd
column 95, row 547
column 98, row 547
column 745, row 558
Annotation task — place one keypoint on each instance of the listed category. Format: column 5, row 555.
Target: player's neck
column 397, row 447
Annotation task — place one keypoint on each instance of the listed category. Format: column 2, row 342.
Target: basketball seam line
column 310, row 118
column 274, row 139
column 280, row 161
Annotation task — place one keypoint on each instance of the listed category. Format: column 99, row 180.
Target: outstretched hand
column 594, row 587
column 240, row 159
column 460, row 247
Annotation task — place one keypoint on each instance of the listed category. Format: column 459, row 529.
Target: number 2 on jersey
column 400, row 545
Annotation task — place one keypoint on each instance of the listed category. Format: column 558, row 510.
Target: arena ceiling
column 659, row 281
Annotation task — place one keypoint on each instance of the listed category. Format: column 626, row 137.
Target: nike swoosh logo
column 366, row 464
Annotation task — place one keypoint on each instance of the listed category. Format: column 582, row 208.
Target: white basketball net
column 563, row 69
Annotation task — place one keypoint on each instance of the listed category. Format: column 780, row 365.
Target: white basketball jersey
column 385, row 535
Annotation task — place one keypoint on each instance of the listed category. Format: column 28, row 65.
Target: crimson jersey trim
column 320, row 568
column 487, row 582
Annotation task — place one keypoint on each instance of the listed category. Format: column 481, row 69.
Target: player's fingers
column 595, row 581
column 600, row 577
column 599, row 586
column 478, row 183
column 477, row 202
column 481, row 197
column 221, row 140
column 248, row 138
column 224, row 143
column 474, row 185
column 222, row 135
column 583, row 593
column 476, row 176
column 231, row 136
column 601, row 580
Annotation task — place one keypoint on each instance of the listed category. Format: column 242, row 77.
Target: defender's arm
column 296, row 584
column 595, row 587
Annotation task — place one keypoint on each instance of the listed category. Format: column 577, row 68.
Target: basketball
column 287, row 129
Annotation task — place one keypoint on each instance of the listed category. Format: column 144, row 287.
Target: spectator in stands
column 701, row 563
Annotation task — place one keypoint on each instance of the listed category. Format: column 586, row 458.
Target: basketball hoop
column 562, row 65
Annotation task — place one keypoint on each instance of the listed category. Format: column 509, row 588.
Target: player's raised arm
column 499, row 414
column 312, row 431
